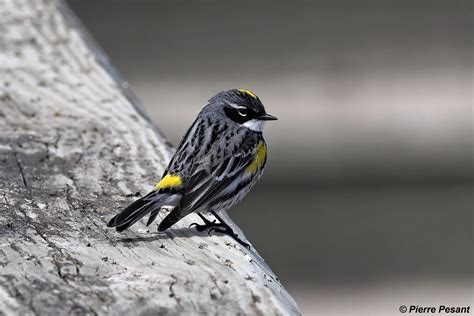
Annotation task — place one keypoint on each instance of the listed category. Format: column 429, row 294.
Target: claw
column 220, row 227
column 244, row 244
column 231, row 234
column 207, row 224
column 199, row 228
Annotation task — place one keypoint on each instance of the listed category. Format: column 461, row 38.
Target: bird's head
column 242, row 107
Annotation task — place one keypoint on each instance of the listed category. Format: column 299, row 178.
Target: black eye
column 240, row 115
column 242, row 112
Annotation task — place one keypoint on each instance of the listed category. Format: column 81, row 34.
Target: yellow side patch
column 259, row 158
column 250, row 93
column 169, row 181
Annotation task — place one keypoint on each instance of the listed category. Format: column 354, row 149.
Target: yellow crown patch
column 250, row 93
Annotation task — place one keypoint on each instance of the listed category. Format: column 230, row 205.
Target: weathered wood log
column 75, row 148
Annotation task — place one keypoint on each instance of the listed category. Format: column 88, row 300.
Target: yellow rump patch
column 259, row 158
column 169, row 181
column 250, row 93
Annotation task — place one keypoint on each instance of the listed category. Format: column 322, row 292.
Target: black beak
column 267, row 117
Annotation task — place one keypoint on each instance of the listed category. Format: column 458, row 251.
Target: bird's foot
column 221, row 227
column 207, row 224
column 229, row 232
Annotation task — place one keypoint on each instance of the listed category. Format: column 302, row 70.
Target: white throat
column 254, row 125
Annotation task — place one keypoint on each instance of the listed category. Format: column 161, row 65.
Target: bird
column 217, row 162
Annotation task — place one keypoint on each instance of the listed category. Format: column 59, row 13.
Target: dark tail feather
column 152, row 217
column 171, row 219
column 134, row 212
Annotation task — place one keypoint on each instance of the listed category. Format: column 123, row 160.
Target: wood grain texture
column 75, row 148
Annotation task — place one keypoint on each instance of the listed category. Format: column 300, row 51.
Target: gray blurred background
column 367, row 200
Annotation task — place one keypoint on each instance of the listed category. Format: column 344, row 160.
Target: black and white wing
column 208, row 184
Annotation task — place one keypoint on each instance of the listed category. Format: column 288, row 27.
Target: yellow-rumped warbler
column 217, row 162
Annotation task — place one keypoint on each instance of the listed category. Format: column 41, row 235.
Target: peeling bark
column 75, row 148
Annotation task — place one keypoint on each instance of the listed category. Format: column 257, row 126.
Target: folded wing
column 208, row 185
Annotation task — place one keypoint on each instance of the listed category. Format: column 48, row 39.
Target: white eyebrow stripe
column 236, row 106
